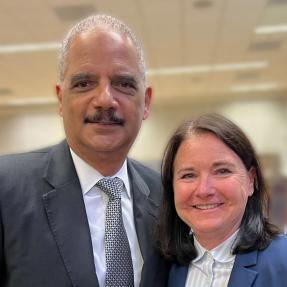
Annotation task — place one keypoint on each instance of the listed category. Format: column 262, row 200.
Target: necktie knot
column 111, row 186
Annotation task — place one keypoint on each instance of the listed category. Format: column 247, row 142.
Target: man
column 52, row 208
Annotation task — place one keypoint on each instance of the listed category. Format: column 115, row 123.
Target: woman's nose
column 205, row 187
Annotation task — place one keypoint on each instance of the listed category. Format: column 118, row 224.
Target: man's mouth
column 104, row 122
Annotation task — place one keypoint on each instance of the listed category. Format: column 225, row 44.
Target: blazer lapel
column 145, row 211
column 67, row 218
column 241, row 274
column 177, row 276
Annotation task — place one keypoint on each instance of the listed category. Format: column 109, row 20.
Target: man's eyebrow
column 126, row 77
column 82, row 76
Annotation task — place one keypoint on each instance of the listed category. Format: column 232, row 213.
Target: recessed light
column 202, row 4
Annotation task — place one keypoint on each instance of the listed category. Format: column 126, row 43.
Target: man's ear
column 59, row 97
column 147, row 102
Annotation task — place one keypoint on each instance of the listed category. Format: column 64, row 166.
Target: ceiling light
column 29, row 102
column 271, row 29
column 197, row 69
column 32, row 47
column 179, row 70
column 240, row 66
column 255, row 87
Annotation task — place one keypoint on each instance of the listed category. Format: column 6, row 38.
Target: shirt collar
column 89, row 176
column 221, row 253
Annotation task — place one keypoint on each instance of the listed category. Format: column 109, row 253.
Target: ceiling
column 196, row 50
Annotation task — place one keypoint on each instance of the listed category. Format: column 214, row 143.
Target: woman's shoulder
column 278, row 247
column 279, row 241
column 270, row 264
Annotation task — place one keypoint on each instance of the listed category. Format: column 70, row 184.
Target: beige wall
column 23, row 129
column 265, row 122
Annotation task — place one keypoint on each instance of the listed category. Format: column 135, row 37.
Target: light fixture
column 197, row 69
column 22, row 102
column 272, row 29
column 260, row 87
column 31, row 47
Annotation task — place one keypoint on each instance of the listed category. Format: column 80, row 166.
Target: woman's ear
column 252, row 180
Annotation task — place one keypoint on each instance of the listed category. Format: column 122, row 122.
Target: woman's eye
column 188, row 175
column 223, row 171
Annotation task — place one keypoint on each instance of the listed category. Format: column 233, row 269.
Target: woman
column 213, row 221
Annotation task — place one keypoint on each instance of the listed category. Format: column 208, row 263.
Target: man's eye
column 82, row 84
column 126, row 85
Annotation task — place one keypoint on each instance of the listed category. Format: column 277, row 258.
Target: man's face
column 102, row 98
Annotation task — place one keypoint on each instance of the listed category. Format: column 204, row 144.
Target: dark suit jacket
column 44, row 233
column 265, row 268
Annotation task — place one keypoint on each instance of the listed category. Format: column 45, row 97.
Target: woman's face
column 211, row 188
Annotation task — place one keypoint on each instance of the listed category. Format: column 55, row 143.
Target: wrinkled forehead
column 105, row 41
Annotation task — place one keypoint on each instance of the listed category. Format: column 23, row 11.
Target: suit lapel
column 145, row 211
column 67, row 218
column 241, row 274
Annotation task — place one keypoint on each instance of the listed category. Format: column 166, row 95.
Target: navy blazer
column 44, row 232
column 264, row 268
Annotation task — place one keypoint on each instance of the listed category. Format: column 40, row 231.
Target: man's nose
column 103, row 96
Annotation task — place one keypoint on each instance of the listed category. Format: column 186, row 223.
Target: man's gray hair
column 91, row 23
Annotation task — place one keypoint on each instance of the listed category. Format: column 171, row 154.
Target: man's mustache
column 104, row 117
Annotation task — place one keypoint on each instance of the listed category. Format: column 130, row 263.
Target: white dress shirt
column 212, row 268
column 96, row 202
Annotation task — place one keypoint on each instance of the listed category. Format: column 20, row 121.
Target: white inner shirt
column 212, row 268
column 96, row 202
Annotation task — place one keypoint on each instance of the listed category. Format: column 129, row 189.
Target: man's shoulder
column 147, row 173
column 150, row 177
column 25, row 160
